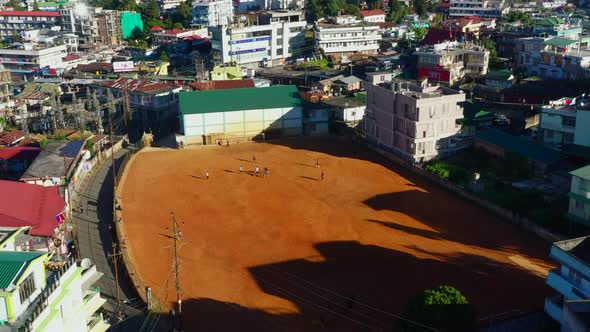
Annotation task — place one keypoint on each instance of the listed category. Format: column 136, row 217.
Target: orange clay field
column 290, row 251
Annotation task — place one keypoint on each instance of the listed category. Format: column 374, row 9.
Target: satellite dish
column 86, row 263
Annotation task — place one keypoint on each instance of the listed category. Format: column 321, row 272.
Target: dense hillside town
column 292, row 165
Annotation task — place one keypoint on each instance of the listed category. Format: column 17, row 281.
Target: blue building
column 571, row 308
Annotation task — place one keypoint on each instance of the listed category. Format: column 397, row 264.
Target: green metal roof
column 518, row 145
column 549, row 21
column 560, row 42
column 499, row 75
column 12, row 263
column 211, row 101
column 583, row 172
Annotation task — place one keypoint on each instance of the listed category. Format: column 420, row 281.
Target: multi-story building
column 154, row 105
column 40, row 294
column 552, row 58
column 373, row 16
column 556, row 27
column 169, row 5
column 213, row 13
column 108, row 26
column 174, row 35
column 480, row 8
column 28, row 59
column 566, row 121
column 343, row 40
column 449, row 62
column 579, row 204
column 262, row 45
column 415, row 122
column 12, row 23
column 572, row 281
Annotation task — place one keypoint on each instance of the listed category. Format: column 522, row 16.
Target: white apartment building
column 566, row 121
column 43, row 295
column 481, row 8
column 260, row 45
column 373, row 16
column 344, row 40
column 213, row 13
column 416, row 122
column 250, row 5
column 14, row 22
column 168, row 5
column 30, row 58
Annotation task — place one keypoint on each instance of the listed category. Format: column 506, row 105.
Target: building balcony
column 554, row 307
column 97, row 324
column 92, row 302
column 563, row 285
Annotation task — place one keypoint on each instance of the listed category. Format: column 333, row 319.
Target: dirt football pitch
column 293, row 252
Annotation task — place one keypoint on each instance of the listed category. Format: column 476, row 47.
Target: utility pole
column 177, row 234
column 115, row 256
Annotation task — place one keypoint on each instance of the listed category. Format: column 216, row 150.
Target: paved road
column 94, row 213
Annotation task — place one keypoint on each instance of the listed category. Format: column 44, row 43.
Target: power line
column 357, row 302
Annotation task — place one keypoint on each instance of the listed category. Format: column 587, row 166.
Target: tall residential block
column 417, row 122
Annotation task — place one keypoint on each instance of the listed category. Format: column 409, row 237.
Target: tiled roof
column 71, row 57
column 93, row 67
column 278, row 96
column 157, row 28
column 436, row 36
column 374, row 12
column 36, row 13
column 11, row 137
column 19, row 153
column 13, row 263
column 173, row 31
column 223, row 84
column 139, row 85
column 23, row 204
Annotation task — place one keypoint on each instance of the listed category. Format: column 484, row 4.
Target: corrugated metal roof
column 197, row 102
column 583, row 172
column 12, row 263
column 518, row 145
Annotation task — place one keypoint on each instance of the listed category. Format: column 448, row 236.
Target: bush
column 443, row 308
column 447, row 171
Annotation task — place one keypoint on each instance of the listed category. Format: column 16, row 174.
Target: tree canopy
column 17, row 5
column 443, row 308
column 397, row 11
column 521, row 17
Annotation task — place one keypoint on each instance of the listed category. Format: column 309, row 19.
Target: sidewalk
column 95, row 241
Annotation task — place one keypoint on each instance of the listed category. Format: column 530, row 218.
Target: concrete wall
column 247, row 123
column 508, row 215
column 582, row 132
column 581, row 209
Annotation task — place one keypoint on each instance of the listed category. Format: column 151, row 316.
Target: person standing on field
column 241, row 169
column 256, row 171
column 317, row 163
column 207, row 174
column 322, row 175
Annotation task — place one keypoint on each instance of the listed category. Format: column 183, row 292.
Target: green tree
column 314, row 10
column 150, row 14
column 164, row 56
column 129, row 5
column 420, row 32
column 35, row 6
column 521, row 17
column 443, row 308
column 397, row 11
column 490, row 45
column 17, row 5
column 184, row 14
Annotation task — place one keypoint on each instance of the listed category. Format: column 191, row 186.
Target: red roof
column 139, row 85
column 11, row 137
column 373, row 12
column 19, row 153
column 71, row 57
column 36, row 13
column 23, row 204
column 435, row 36
column 223, row 84
column 157, row 28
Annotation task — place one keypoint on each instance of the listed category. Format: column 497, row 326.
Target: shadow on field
column 361, row 287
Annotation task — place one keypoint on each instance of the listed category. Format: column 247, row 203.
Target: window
column 26, row 288
column 568, row 121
